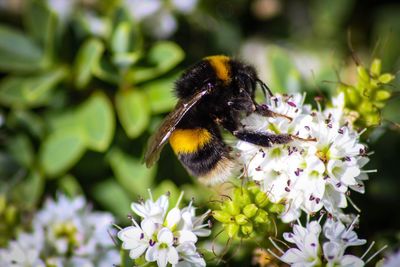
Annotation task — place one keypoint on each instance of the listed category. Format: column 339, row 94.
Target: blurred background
column 83, row 84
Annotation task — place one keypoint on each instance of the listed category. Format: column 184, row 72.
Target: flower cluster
column 313, row 171
column 165, row 236
column 65, row 233
column 368, row 96
column 158, row 16
column 248, row 213
column 311, row 251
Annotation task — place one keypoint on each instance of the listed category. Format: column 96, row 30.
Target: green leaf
column 18, row 52
column 130, row 173
column 31, row 121
column 163, row 56
column 112, row 197
column 284, row 76
column 29, row 191
column 20, row 147
column 69, row 185
column 96, row 119
column 41, row 24
column 121, row 38
column 61, row 150
column 30, row 91
column 87, row 60
column 133, row 111
column 160, row 94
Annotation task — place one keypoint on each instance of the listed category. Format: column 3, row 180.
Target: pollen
column 184, row 141
column 220, row 66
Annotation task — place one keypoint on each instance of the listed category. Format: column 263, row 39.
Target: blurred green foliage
column 81, row 90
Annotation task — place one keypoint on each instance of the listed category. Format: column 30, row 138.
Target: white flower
column 138, row 239
column 154, row 210
column 306, row 240
column 393, row 260
column 158, row 17
column 25, row 251
column 165, row 237
column 336, row 232
column 184, row 6
column 73, row 234
column 65, row 233
column 309, row 252
column 62, row 8
column 313, row 171
column 141, row 9
column 333, row 253
column 163, row 251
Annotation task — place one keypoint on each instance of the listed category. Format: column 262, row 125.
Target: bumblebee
column 216, row 92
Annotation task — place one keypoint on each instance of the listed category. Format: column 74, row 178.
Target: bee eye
column 241, row 90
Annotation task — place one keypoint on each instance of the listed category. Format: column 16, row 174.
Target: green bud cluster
column 365, row 99
column 8, row 220
column 247, row 213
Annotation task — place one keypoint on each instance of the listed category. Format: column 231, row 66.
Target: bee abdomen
column 203, row 154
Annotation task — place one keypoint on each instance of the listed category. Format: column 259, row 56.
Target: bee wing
column 158, row 140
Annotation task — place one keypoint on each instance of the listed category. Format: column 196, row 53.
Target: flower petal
column 165, row 236
column 172, row 256
column 137, row 252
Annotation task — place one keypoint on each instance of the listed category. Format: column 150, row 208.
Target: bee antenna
column 264, row 88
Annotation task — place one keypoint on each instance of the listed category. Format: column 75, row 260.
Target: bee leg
column 262, row 138
column 263, row 110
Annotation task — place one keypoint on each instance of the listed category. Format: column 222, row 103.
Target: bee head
column 247, row 79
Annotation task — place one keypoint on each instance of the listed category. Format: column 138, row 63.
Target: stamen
column 368, row 249
column 276, row 246
column 352, row 224
column 179, row 199
column 150, row 194
column 273, row 254
column 362, row 131
column 376, row 253
column 353, row 204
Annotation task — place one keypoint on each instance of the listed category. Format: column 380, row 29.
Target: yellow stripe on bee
column 189, row 140
column 220, row 66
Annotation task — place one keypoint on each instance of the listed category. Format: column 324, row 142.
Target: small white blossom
column 154, row 210
column 309, row 251
column 313, row 171
column 158, row 17
column 165, row 237
column 393, row 260
column 24, row 251
column 65, row 233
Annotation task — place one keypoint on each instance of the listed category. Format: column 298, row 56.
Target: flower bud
column 10, row 214
column 261, row 217
column 250, row 210
column 382, row 95
column 386, row 78
column 277, row 208
column 232, row 229
column 376, row 67
column 363, row 74
column 3, row 203
column 222, row 216
column 241, row 196
column 241, row 219
column 231, row 207
column 247, row 229
column 261, row 199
